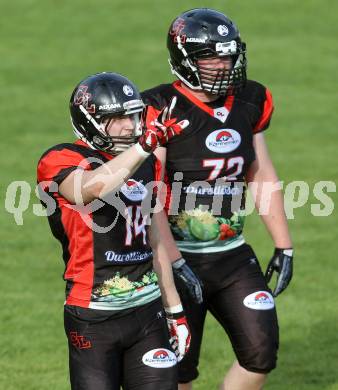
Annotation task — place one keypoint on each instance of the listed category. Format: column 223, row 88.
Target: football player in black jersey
column 208, row 168
column 117, row 333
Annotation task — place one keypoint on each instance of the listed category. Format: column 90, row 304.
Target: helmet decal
column 128, row 90
column 82, row 98
column 223, row 30
column 176, row 29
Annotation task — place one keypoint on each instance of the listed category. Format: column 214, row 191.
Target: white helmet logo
column 128, row 90
column 222, row 30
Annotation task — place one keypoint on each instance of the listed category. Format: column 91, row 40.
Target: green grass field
column 47, row 47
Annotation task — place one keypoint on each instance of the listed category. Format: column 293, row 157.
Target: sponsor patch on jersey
column 127, row 257
column 128, row 90
column 259, row 300
column 223, row 140
column 159, row 358
column 216, row 190
column 221, row 114
column 134, row 190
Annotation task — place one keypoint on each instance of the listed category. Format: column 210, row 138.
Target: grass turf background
column 47, row 47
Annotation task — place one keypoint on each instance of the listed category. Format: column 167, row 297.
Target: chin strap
column 90, row 118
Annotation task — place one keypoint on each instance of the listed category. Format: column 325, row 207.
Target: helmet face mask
column 97, row 100
column 204, row 33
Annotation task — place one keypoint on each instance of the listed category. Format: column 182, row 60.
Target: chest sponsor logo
column 159, row 358
column 221, row 114
column 127, row 257
column 216, row 190
column 259, row 300
column 223, row 140
column 134, row 190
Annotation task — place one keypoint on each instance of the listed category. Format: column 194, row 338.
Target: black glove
column 282, row 263
column 191, row 281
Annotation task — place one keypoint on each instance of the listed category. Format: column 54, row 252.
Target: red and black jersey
column 105, row 244
column 206, row 165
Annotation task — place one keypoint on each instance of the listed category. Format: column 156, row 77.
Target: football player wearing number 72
column 221, row 149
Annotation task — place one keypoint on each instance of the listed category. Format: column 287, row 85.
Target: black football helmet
column 100, row 96
column 202, row 33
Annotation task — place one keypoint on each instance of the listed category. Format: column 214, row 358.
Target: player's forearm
column 161, row 261
column 167, row 239
column 276, row 222
column 83, row 186
column 266, row 189
column 269, row 203
column 112, row 175
column 163, row 269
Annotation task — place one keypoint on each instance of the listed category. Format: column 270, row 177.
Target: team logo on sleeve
column 159, row 358
column 134, row 190
column 259, row 300
column 223, row 140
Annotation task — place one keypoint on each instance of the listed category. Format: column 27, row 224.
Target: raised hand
column 162, row 129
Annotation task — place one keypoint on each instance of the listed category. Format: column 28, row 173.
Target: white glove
column 179, row 330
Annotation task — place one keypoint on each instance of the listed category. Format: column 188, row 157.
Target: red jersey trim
column 82, row 143
column 151, row 115
column 267, row 113
column 228, row 101
column 168, row 198
column 80, row 270
column 158, row 169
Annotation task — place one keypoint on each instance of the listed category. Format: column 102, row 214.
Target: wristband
column 174, row 309
column 287, row 252
column 140, row 150
column 178, row 263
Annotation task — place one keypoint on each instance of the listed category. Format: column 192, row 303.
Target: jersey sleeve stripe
column 265, row 118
